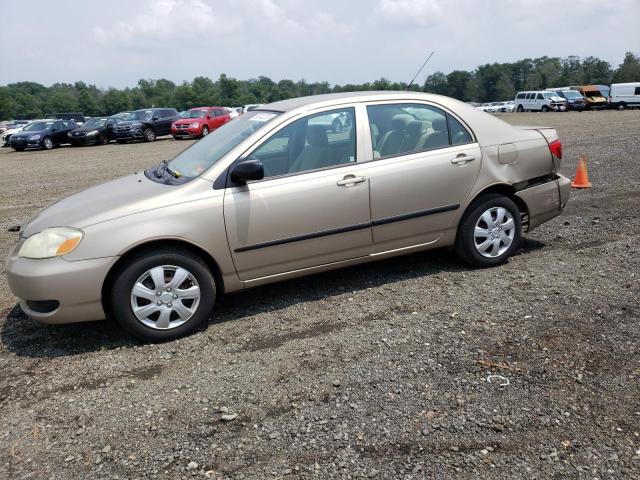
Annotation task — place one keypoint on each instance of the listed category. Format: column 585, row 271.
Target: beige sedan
column 281, row 192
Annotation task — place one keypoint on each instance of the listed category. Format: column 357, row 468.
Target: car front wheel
column 149, row 135
column 489, row 231
column 47, row 143
column 163, row 295
column 205, row 131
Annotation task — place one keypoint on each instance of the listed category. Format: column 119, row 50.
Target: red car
column 198, row 122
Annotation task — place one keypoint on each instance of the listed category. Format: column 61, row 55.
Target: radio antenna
column 420, row 69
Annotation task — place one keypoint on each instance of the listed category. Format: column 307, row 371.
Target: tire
column 103, row 140
column 621, row 106
column 179, row 318
column 47, row 143
column 18, row 149
column 469, row 245
column 520, row 109
column 149, row 135
column 545, row 109
column 205, row 131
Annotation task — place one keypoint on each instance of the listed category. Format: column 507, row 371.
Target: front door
column 425, row 164
column 312, row 207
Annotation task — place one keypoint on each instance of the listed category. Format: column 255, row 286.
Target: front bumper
column 25, row 143
column 546, row 201
column 77, row 141
column 130, row 135
column 75, row 286
column 186, row 132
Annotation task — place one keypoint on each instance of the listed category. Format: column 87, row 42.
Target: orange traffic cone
column 582, row 178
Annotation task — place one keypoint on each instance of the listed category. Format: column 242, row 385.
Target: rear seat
column 392, row 141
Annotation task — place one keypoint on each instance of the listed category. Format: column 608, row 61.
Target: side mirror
column 155, row 119
column 247, row 170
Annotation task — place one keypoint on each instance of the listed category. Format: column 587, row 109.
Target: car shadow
column 25, row 337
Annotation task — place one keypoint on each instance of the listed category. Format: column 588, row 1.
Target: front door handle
column 349, row 180
column 462, row 159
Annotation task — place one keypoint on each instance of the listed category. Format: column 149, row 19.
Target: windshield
column 550, row 94
column 592, row 93
column 37, row 126
column 206, row 152
column 140, row 115
column 571, row 94
column 195, row 114
column 95, row 122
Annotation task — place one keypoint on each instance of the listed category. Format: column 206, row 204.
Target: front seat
column 391, row 142
column 436, row 139
column 316, row 154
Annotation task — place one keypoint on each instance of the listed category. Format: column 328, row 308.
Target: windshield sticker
column 262, row 117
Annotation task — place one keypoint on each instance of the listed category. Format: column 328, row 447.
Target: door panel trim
column 306, row 236
column 350, row 228
column 409, row 216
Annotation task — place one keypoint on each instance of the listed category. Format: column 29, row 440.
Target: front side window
column 400, row 129
column 540, row 97
column 206, row 152
column 637, row 91
column 314, row 142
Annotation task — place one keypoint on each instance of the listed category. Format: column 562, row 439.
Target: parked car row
column 579, row 98
column 138, row 125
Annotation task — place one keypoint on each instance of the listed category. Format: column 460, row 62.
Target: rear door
column 418, row 186
column 312, row 207
column 58, row 132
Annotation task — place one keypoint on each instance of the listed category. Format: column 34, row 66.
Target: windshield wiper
column 162, row 168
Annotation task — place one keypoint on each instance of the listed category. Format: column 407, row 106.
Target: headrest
column 317, row 136
column 400, row 121
column 415, row 128
column 439, row 124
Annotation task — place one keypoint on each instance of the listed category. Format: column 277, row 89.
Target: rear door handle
column 349, row 180
column 462, row 159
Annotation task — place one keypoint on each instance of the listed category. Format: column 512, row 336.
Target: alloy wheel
column 165, row 297
column 494, row 232
column 48, row 144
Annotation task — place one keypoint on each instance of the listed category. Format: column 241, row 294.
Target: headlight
column 195, row 125
column 92, row 133
column 136, row 125
column 34, row 137
column 51, row 242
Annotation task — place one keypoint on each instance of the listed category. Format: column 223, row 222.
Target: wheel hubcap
column 165, row 297
column 494, row 232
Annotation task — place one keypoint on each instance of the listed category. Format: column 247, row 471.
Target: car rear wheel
column 163, row 295
column 47, row 143
column 621, row 106
column 489, row 231
column 205, row 131
column 149, row 135
column 520, row 109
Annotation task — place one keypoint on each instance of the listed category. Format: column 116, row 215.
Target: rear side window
column 520, row 95
column 400, row 129
column 459, row 135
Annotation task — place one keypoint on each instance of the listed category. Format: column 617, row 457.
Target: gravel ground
column 378, row 371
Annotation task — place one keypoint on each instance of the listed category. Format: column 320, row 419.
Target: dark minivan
column 42, row 134
column 145, row 124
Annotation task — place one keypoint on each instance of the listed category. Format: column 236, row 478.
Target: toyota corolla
column 275, row 195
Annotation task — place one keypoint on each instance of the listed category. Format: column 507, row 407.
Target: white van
column 541, row 101
column 624, row 95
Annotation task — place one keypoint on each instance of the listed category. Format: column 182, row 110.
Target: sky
column 114, row 43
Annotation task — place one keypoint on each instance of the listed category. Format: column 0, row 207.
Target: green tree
column 115, row 101
column 629, row 69
column 436, row 83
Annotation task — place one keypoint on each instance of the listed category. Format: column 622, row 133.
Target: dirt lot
column 379, row 371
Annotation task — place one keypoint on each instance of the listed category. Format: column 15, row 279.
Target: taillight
column 556, row 148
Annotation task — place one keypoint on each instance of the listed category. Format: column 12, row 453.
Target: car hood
column 11, row 131
column 106, row 201
column 22, row 133
column 188, row 121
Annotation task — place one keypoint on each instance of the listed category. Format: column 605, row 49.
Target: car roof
column 329, row 99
